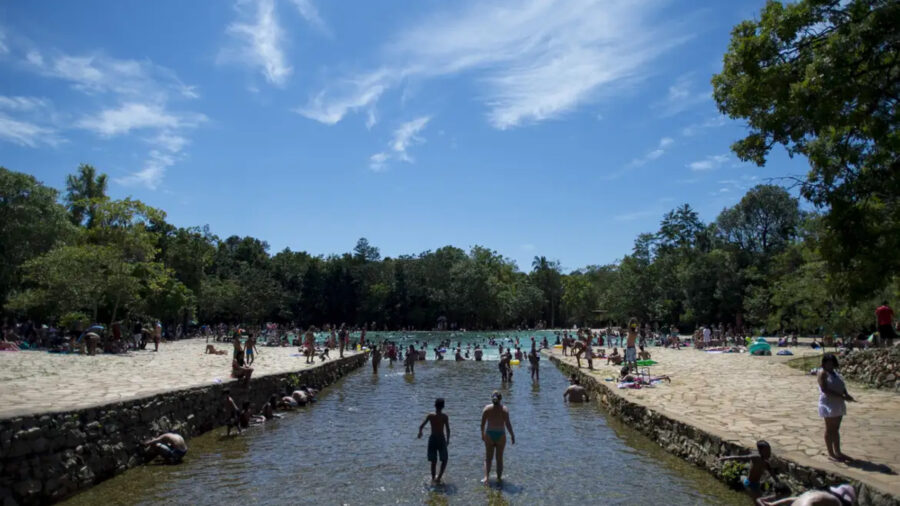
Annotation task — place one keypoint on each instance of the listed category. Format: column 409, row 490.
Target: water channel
column 357, row 445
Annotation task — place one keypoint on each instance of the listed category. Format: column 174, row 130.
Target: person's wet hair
column 763, row 444
column 246, row 404
column 829, row 357
column 439, row 403
column 496, row 397
column 226, row 391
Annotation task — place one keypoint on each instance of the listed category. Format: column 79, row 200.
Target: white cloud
column 152, row 173
column 311, row 15
column 683, row 96
column 138, row 97
column 655, row 153
column 709, row 163
column 3, row 47
column 260, row 42
column 25, row 133
column 127, row 117
column 19, row 103
column 713, row 122
column 534, row 60
column 347, row 95
column 405, row 136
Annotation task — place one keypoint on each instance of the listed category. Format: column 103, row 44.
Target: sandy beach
column 39, row 382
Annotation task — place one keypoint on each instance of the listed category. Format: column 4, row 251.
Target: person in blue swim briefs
column 169, row 446
column 437, row 442
column 759, row 462
column 494, row 424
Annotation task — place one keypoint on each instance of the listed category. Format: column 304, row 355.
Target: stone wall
column 703, row 449
column 879, row 368
column 45, row 458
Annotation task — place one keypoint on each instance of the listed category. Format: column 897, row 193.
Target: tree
column 31, row 223
column 822, row 79
column 546, row 274
column 83, row 191
column 762, row 223
column 364, row 252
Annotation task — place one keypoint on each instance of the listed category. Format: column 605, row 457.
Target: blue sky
column 560, row 128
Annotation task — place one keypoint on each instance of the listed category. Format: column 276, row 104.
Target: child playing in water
column 759, row 462
column 437, row 443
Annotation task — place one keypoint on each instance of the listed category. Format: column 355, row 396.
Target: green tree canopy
column 822, row 79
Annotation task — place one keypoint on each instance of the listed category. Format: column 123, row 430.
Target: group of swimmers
column 243, row 417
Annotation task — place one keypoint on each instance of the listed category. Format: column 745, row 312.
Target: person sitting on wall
column 170, row 446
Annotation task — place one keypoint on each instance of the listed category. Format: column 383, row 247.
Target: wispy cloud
column 684, row 95
column 309, row 12
column 653, row 154
column 661, row 147
column 534, row 60
column 349, row 94
column 20, row 103
column 405, row 135
column 259, row 40
column 695, row 128
column 26, row 134
column 139, row 96
column 136, row 116
column 4, row 49
column 711, row 162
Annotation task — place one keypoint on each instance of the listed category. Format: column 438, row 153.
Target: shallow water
column 465, row 340
column 357, row 445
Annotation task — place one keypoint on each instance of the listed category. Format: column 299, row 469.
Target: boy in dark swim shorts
column 437, row 443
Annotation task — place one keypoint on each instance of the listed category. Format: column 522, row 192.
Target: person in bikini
column 494, row 424
column 437, row 443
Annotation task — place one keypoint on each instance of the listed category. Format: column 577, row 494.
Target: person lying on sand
column 211, row 350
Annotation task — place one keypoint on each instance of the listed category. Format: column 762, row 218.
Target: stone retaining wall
column 703, row 449
column 47, row 457
column 879, row 367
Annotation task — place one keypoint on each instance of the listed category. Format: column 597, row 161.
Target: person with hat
column 494, row 424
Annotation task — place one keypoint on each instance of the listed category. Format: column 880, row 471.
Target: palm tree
column 83, row 190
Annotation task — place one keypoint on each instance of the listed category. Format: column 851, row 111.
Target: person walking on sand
column 494, row 424
column 437, row 443
column 832, row 406
column 884, row 320
column 310, row 346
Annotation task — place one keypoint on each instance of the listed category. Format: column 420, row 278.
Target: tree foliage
column 822, row 79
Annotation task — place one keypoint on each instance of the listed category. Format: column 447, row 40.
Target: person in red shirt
column 884, row 318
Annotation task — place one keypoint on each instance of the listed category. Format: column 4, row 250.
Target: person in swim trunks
column 494, row 424
column 170, row 446
column 437, row 443
column 759, row 462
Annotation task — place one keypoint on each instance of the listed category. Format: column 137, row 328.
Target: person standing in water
column 437, row 443
column 535, row 361
column 410, row 361
column 494, row 424
column 376, row 358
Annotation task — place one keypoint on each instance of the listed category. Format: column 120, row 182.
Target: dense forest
column 88, row 257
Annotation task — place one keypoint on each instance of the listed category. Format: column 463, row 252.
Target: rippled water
column 358, row 445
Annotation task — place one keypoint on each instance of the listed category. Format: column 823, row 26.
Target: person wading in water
column 494, row 424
